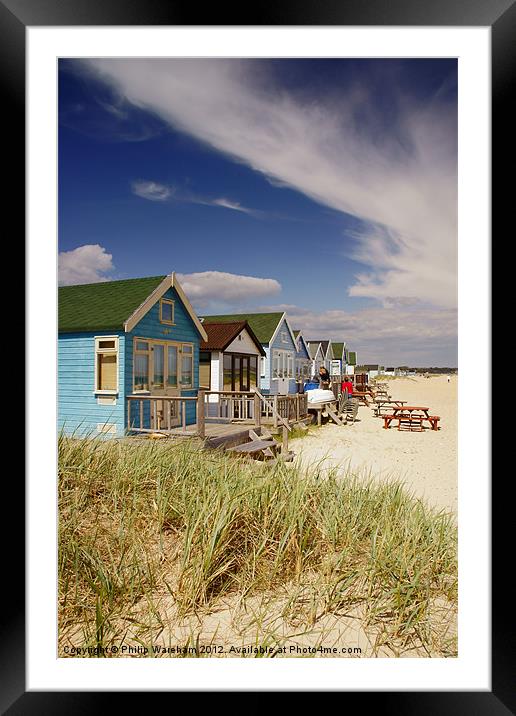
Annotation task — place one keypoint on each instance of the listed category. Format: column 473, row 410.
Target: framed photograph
column 181, row 182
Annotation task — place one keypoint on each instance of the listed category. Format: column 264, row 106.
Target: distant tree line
column 408, row 369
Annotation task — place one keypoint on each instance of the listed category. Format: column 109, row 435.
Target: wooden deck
column 212, row 430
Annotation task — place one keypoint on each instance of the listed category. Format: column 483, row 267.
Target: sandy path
column 426, row 462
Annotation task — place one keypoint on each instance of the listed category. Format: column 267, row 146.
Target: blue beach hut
column 122, row 340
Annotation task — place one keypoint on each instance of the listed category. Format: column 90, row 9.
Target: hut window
column 276, row 364
column 166, row 311
column 141, row 365
column 263, row 366
column 283, row 364
column 205, row 369
column 106, row 365
column 252, row 371
column 228, row 372
column 290, row 368
column 186, row 365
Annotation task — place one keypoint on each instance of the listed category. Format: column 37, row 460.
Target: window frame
column 181, row 356
column 285, row 365
column 172, row 303
column 179, row 347
column 98, row 351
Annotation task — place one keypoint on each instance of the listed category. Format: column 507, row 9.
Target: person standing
column 324, row 378
column 347, row 387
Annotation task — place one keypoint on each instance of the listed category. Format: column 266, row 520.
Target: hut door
column 164, row 381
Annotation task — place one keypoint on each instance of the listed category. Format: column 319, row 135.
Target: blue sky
column 326, row 188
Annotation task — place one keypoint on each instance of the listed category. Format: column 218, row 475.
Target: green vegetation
column 140, row 519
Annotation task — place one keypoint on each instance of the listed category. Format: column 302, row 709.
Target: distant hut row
column 121, row 340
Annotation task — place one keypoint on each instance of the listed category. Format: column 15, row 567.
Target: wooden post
column 297, row 407
column 284, row 445
column 201, row 427
column 275, row 402
column 183, row 410
column 257, row 411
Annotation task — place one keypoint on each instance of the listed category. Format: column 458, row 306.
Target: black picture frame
column 500, row 15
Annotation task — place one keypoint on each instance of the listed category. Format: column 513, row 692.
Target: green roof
column 337, row 350
column 352, row 358
column 263, row 325
column 102, row 306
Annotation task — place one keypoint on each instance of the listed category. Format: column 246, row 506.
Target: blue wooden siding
column 78, row 409
column 302, row 353
column 184, row 331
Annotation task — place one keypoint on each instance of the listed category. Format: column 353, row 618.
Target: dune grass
column 135, row 519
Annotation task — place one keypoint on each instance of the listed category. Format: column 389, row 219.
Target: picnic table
column 361, row 395
column 381, row 391
column 384, row 403
column 411, row 417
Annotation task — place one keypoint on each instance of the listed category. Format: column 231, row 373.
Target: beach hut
column 326, row 348
column 351, row 362
column 122, row 340
column 303, row 359
column 229, row 358
column 273, row 331
column 316, row 356
column 338, row 364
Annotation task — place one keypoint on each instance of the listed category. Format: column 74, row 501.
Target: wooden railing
column 240, row 405
column 230, row 404
column 166, row 413
column 290, row 407
column 163, row 414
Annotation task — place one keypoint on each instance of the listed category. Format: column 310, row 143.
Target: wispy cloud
column 85, row 264
column 154, row 191
column 401, row 180
column 151, row 190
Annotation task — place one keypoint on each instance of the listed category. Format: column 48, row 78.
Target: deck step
column 253, row 446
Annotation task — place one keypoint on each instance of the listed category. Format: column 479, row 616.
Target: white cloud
column 220, row 287
column 85, row 264
column 402, row 183
column 395, row 335
column 151, row 190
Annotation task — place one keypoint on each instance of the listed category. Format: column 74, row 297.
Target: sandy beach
column 425, row 461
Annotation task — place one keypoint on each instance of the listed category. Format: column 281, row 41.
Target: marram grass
column 138, row 518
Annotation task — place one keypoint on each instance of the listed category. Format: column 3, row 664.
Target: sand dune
column 426, row 462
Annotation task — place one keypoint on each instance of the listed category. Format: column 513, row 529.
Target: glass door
column 164, row 381
column 244, row 375
column 157, row 386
